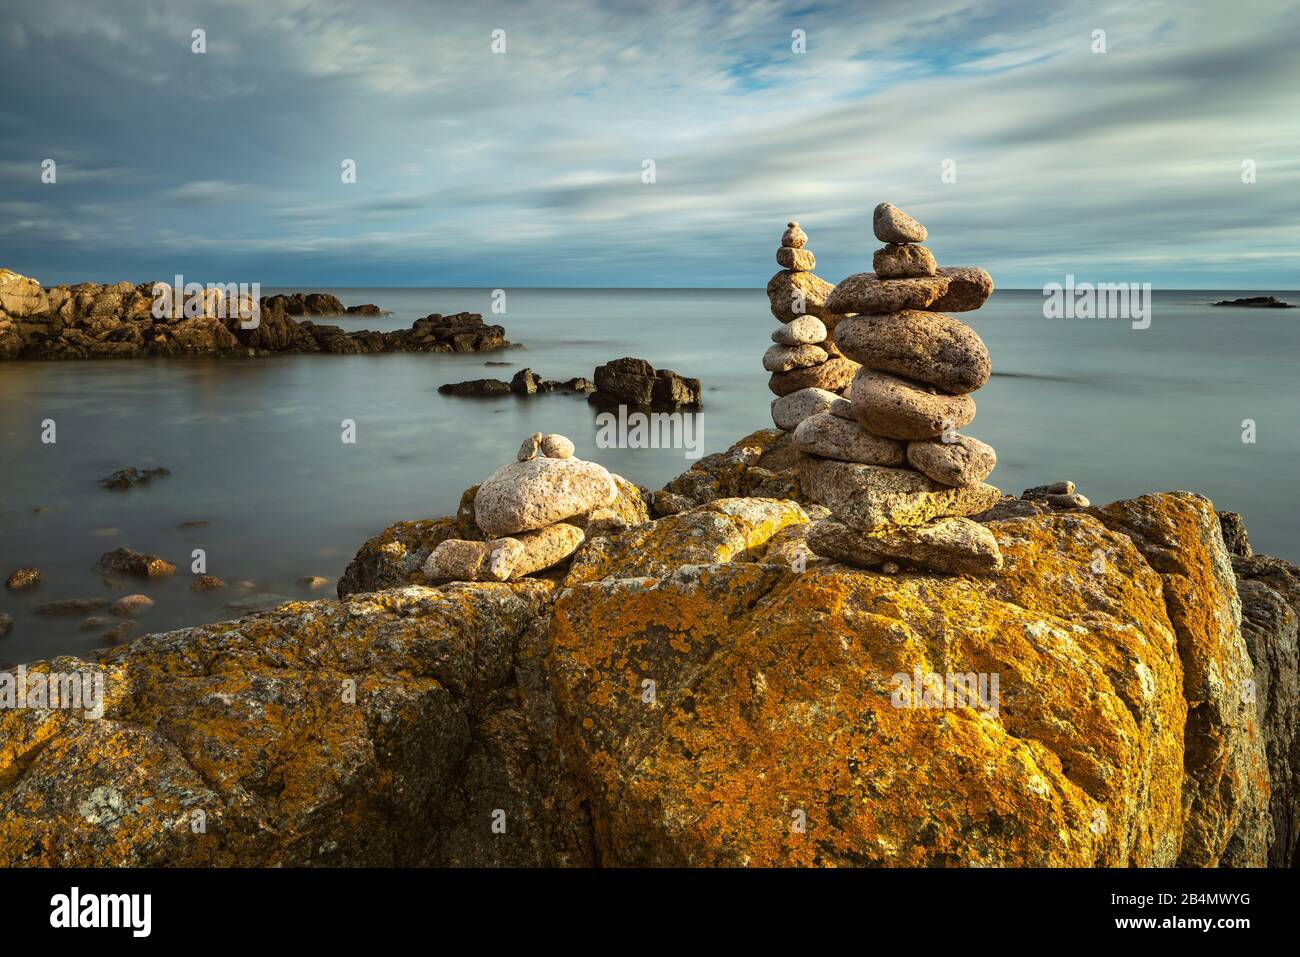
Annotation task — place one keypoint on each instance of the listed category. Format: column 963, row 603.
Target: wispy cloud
column 525, row 168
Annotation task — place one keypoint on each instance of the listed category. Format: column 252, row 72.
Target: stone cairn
column 884, row 455
column 531, row 512
column 804, row 359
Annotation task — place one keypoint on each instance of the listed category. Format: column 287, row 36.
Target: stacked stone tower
column 804, row 356
column 885, row 456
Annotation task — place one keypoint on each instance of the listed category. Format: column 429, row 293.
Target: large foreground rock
column 1225, row 788
column 701, row 692
column 1270, row 610
column 773, row 738
column 379, row 731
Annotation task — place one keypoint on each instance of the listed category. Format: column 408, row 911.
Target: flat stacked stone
column 885, row 456
column 526, row 512
column 804, row 360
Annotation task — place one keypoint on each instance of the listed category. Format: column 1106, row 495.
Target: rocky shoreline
column 756, row 665
column 93, row 321
column 1155, row 692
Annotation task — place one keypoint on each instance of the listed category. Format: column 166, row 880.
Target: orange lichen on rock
column 1226, row 787
column 318, row 732
column 699, row 691
column 774, row 710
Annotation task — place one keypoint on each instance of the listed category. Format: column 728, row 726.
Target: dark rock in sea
column 23, row 578
column 313, row 582
column 6, row 624
column 306, row 304
column 71, row 606
column 127, row 478
column 577, row 384
column 130, row 605
column 206, row 583
column 636, row 382
column 491, row 363
column 369, row 309
column 257, row 602
column 118, row 634
column 196, row 523
column 127, row 561
column 524, row 383
column 480, row 388
column 462, row 332
column 92, row 321
column 1256, row 302
column 1234, row 534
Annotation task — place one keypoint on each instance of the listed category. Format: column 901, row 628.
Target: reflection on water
column 255, row 445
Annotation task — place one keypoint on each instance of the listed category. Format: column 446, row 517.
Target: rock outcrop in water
column 1256, row 302
column 635, row 382
column 683, row 695
column 93, row 321
column 524, row 383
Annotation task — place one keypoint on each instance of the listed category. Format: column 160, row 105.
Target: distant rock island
column 1256, row 302
column 94, row 321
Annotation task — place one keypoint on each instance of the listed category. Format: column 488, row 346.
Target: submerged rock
column 476, row 387
column 130, row 605
column 130, row 477
column 23, row 578
column 71, row 606
column 127, row 561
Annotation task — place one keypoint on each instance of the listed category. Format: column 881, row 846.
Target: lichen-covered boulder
column 1227, row 781
column 1270, row 612
column 322, row 732
column 724, row 530
column 742, row 714
column 764, row 464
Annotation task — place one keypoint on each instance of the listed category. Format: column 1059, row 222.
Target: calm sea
column 255, row 450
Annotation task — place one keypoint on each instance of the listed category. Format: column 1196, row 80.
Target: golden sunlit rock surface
column 691, row 691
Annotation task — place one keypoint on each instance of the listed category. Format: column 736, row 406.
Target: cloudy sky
column 525, row 168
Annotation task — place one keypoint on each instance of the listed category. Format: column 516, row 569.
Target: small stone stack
column 804, row 359
column 888, row 461
column 523, row 510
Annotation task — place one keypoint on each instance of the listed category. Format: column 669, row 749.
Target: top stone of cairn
column 794, row 237
column 892, row 225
